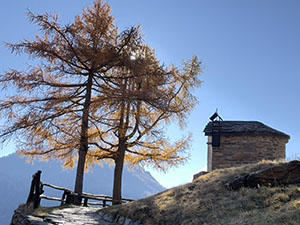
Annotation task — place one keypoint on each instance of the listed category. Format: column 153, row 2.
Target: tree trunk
column 83, row 148
column 119, row 162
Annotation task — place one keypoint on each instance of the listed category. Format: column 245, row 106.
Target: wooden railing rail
column 36, row 191
column 83, row 194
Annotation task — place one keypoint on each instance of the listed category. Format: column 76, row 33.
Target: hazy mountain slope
column 207, row 201
column 15, row 178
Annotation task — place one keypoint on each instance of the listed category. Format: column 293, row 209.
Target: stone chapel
column 234, row 143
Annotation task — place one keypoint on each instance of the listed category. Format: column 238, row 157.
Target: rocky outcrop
column 199, row 174
column 22, row 216
column 69, row 216
column 283, row 174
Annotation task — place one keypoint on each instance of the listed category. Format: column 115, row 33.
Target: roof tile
column 243, row 128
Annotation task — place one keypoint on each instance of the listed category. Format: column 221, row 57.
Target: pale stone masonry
column 243, row 142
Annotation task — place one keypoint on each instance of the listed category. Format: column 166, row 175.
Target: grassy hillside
column 207, row 201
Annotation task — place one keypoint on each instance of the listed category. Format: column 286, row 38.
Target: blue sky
column 250, row 50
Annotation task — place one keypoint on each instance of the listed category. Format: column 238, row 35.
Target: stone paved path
column 77, row 216
column 74, row 216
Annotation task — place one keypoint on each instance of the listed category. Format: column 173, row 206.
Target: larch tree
column 147, row 99
column 51, row 107
column 96, row 94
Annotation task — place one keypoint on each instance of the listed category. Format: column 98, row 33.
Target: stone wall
column 239, row 150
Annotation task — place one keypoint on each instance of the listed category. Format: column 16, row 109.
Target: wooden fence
column 68, row 196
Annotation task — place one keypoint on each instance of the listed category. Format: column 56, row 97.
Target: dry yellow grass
column 207, row 201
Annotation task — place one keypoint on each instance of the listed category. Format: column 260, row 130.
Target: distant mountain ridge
column 16, row 174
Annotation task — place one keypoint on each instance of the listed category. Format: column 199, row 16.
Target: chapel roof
column 238, row 128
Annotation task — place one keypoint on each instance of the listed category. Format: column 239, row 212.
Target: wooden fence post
column 63, row 198
column 85, row 203
column 36, row 190
column 30, row 196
